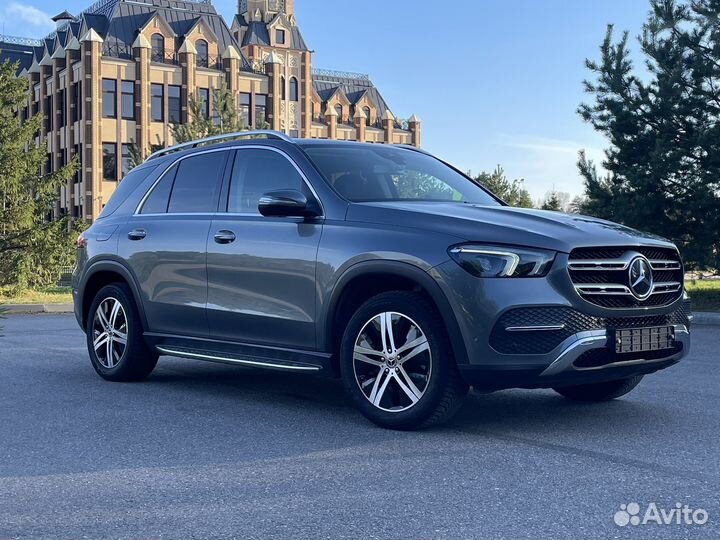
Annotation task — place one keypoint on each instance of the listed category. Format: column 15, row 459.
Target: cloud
column 24, row 20
column 546, row 163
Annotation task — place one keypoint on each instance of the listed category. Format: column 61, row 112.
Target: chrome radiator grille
column 627, row 277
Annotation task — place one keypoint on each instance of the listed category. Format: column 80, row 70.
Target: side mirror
column 287, row 203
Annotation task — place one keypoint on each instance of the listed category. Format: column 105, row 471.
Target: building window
column 76, row 115
column 294, row 90
column 204, row 99
column 61, row 109
column 157, row 102
column 260, row 109
column 127, row 100
column 174, row 104
column 283, row 95
column 109, row 98
column 157, row 48
column 203, row 59
column 280, row 37
column 245, row 109
column 366, row 110
column 109, row 162
column 339, row 111
column 126, row 159
column 48, row 113
column 78, row 174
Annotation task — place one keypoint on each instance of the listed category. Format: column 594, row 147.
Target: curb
column 16, row 309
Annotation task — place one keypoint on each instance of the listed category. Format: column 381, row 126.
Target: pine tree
column 224, row 117
column 510, row 191
column 32, row 249
column 663, row 162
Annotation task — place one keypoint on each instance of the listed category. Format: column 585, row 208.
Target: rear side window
column 255, row 173
column 157, row 201
column 190, row 186
column 125, row 188
column 197, row 183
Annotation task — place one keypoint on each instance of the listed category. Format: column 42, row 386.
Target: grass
column 705, row 294
column 50, row 295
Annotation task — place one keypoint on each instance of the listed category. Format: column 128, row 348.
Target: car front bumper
column 479, row 306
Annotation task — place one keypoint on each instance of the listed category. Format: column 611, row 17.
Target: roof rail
column 221, row 138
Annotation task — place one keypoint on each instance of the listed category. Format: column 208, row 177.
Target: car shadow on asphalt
column 523, row 411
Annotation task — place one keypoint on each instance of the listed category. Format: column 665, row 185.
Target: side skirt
column 241, row 354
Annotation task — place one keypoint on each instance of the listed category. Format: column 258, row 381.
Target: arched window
column 339, row 111
column 366, row 110
column 294, row 92
column 203, row 59
column 283, row 94
column 157, row 48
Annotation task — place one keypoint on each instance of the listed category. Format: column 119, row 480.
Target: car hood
column 503, row 225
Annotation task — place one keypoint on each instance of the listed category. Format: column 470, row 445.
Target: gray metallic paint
column 278, row 284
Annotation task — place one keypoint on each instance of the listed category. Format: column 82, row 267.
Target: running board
column 234, row 360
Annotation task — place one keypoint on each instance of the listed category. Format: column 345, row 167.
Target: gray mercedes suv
column 379, row 264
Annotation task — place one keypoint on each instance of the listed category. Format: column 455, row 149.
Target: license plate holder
column 656, row 338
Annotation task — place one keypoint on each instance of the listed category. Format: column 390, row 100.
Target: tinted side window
column 255, row 173
column 157, row 201
column 197, row 183
column 126, row 187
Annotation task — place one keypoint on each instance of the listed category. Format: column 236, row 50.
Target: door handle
column 137, row 234
column 224, row 237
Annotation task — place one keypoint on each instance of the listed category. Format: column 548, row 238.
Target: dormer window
column 157, row 48
column 280, row 37
column 203, row 58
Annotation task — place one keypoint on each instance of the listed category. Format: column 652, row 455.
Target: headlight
column 502, row 261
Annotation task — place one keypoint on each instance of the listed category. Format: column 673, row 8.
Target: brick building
column 121, row 72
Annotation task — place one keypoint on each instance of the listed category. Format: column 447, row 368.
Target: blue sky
column 494, row 81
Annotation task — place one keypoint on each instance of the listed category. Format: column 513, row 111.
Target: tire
column 114, row 307
column 417, row 384
column 604, row 391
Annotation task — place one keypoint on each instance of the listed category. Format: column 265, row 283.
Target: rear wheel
column 397, row 363
column 115, row 337
column 605, row 391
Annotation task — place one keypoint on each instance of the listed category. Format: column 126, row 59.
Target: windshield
column 384, row 173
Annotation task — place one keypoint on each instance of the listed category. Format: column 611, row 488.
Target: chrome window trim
column 138, row 208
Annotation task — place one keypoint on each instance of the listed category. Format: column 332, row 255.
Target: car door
column 166, row 240
column 261, row 270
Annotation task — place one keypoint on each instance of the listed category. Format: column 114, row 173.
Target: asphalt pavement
column 210, row 451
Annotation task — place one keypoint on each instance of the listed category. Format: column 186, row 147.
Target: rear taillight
column 82, row 241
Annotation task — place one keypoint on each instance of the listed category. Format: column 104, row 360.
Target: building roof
column 18, row 50
column 257, row 33
column 353, row 85
column 117, row 22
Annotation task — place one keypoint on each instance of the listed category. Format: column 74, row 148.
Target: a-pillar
column 91, row 53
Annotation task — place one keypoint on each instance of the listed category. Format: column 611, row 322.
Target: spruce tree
column 663, row 126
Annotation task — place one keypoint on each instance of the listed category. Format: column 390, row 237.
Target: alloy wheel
column 392, row 362
column 110, row 332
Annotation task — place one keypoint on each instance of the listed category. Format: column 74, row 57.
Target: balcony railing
column 164, row 58
column 210, row 62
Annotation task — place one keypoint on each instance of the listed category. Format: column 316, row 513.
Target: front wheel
column 604, row 391
column 397, row 363
column 115, row 337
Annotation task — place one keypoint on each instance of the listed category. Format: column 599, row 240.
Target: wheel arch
column 104, row 273
column 363, row 280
